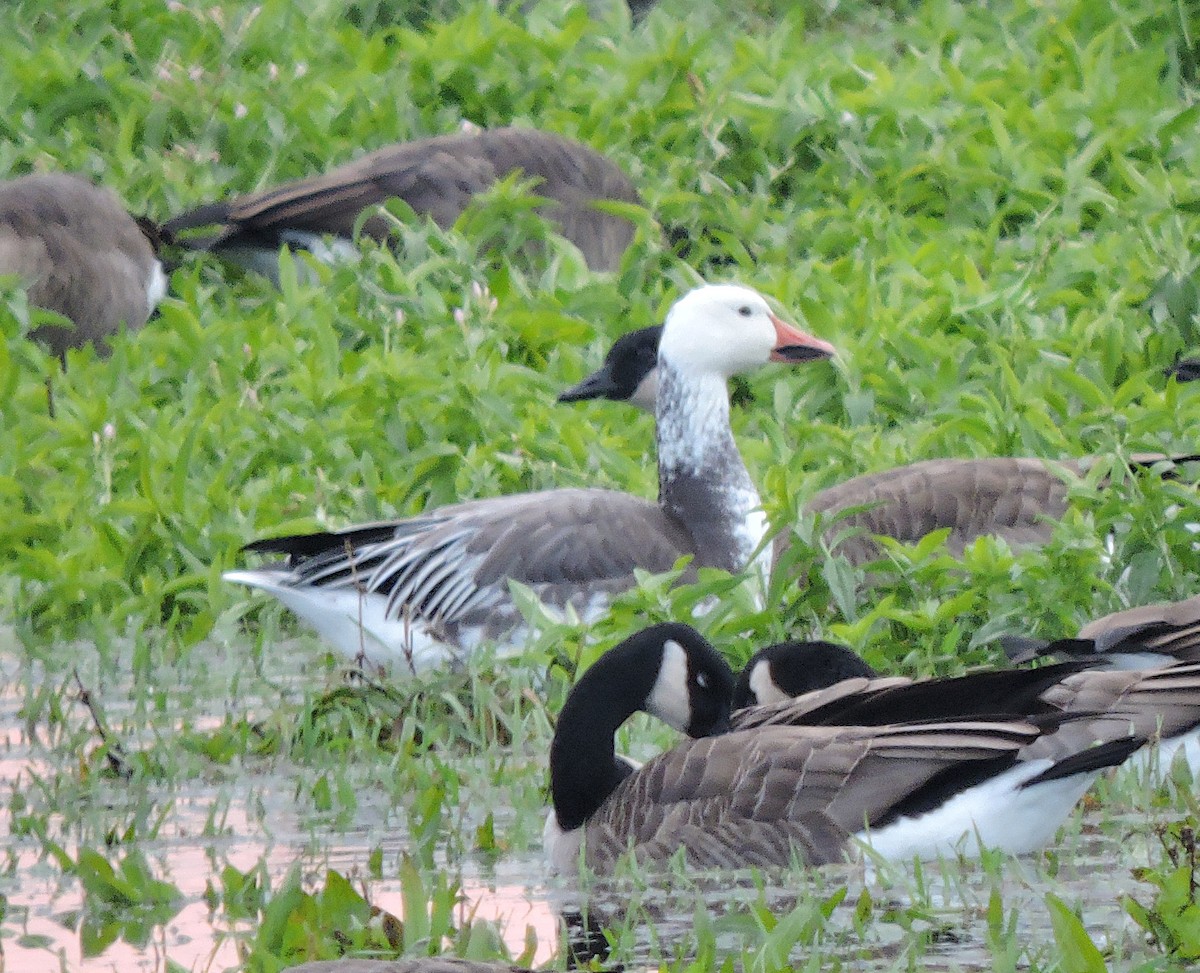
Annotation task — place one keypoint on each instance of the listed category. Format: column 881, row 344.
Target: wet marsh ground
column 990, row 209
column 225, row 791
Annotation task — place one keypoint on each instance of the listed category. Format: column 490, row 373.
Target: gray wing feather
column 1172, row 628
column 565, row 544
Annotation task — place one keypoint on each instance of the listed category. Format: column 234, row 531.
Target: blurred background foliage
column 989, row 208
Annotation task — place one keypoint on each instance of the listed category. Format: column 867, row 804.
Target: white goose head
column 726, row 329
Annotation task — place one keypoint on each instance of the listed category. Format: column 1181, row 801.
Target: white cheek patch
column 645, row 396
column 670, row 700
column 763, row 686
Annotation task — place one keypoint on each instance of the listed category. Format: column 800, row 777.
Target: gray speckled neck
column 702, row 480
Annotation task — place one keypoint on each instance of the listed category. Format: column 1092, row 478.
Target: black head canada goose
column 1137, row 638
column 779, row 686
column 436, row 176
column 629, row 372
column 772, row 794
column 79, row 253
column 1016, row 498
column 419, row 589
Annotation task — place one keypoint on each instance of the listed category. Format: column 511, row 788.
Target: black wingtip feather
column 301, row 547
column 1101, row 757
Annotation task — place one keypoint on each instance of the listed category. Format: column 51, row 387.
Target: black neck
column 584, row 769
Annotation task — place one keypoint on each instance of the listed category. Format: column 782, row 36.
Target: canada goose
column 779, row 686
column 79, row 253
column 417, row 589
column 789, row 669
column 767, row 795
column 1018, row 499
column 437, row 176
column 629, row 373
column 1136, row 638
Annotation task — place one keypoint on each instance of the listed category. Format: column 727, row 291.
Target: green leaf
column 1077, row 952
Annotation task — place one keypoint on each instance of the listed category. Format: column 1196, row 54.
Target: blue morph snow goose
column 1017, row 498
column 432, row 587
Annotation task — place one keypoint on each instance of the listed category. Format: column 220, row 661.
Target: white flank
column 156, row 286
column 354, row 623
column 998, row 813
column 1154, row 760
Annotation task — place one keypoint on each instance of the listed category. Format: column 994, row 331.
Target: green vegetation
column 989, row 208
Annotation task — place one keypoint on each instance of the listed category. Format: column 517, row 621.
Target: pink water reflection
column 42, row 929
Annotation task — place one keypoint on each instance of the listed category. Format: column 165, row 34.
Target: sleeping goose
column 818, row 683
column 421, row 588
column 436, row 176
column 1018, row 499
column 79, row 253
column 765, row 796
column 1136, row 638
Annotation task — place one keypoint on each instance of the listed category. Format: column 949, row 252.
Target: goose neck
column 692, row 421
column 583, row 765
column 702, row 480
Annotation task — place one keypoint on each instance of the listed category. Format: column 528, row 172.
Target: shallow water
column 192, row 826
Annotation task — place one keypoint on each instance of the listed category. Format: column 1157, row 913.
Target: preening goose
column 417, row 589
column 1136, row 638
column 437, row 176
column 778, row 685
column 1018, row 499
column 79, row 253
column 767, row 795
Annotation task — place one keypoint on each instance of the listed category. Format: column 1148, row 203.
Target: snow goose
column 79, row 253
column 1136, row 638
column 419, row 589
column 817, row 683
column 767, row 795
column 437, row 176
column 1016, row 498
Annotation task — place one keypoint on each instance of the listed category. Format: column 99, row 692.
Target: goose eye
column 745, row 311
column 702, row 680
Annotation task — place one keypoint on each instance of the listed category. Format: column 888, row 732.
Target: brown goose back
column 438, row 177
column 79, row 253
